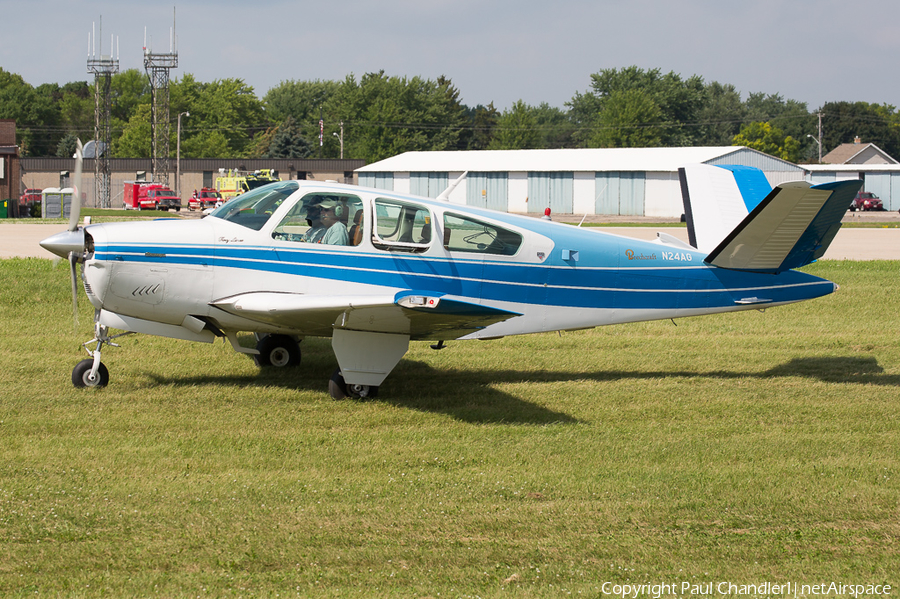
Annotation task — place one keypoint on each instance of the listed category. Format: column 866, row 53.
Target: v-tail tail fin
column 792, row 227
column 733, row 214
column 717, row 198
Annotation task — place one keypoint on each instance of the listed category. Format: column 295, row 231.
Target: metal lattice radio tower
column 103, row 67
column 158, row 67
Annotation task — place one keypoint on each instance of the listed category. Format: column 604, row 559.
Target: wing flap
column 417, row 314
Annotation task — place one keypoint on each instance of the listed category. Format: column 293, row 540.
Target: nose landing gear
column 92, row 372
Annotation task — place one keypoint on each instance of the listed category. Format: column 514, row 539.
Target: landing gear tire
column 339, row 389
column 279, row 351
column 81, row 375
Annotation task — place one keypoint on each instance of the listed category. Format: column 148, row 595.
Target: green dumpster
column 4, row 209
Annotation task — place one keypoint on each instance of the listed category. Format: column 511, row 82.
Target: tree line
column 378, row 116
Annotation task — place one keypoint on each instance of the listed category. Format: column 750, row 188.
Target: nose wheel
column 92, row 372
column 83, row 374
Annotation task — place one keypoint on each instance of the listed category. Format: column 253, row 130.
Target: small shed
column 611, row 181
column 56, row 203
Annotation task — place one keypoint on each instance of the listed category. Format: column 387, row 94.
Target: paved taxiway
column 881, row 243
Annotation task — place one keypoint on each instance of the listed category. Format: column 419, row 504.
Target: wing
column 419, row 315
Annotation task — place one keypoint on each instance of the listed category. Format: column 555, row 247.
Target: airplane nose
column 63, row 243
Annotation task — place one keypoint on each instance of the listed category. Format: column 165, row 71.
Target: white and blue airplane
column 374, row 269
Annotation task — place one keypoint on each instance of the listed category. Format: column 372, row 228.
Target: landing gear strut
column 92, row 372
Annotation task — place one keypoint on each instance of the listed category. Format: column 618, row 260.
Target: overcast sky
column 813, row 51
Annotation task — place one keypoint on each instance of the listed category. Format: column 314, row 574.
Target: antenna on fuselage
column 445, row 195
column 595, row 203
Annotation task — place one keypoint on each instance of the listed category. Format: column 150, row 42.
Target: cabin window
column 324, row 218
column 466, row 234
column 400, row 226
column 254, row 208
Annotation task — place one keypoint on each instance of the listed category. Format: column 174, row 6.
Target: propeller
column 74, row 213
column 75, row 210
column 70, row 243
column 73, row 272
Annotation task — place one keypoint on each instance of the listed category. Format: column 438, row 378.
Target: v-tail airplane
column 374, row 269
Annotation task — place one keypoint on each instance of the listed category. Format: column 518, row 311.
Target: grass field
column 740, row 448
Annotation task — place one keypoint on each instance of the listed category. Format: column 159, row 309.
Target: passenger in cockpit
column 336, row 231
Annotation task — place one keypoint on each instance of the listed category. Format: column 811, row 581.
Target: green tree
column 790, row 116
column 225, row 115
column 385, row 116
column 287, row 142
column 76, row 111
column 629, row 119
column 483, row 121
column 767, row 138
column 554, row 126
column 517, row 129
column 631, row 93
column 134, row 142
column 721, row 115
column 67, row 146
column 36, row 116
column 842, row 122
column 304, row 102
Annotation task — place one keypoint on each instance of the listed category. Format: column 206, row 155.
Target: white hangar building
column 617, row 181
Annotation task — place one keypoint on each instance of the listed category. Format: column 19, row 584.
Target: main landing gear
column 339, row 389
column 92, row 372
column 279, row 351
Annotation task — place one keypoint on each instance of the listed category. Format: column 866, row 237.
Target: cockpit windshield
column 254, row 208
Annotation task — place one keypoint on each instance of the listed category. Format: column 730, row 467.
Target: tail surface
column 733, row 214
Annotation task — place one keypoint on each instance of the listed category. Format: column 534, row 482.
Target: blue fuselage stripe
column 673, row 287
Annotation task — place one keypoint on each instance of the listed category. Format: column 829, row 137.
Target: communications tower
column 158, row 67
column 103, row 67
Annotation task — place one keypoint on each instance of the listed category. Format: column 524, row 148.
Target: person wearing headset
column 336, row 231
column 316, row 230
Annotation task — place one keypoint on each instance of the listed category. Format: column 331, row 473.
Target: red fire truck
column 143, row 195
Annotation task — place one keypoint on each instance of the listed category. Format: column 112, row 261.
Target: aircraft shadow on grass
column 474, row 398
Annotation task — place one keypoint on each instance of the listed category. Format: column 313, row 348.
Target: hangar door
column 619, row 193
column 551, row 189
column 429, row 185
column 885, row 186
column 487, row 190
column 377, row 180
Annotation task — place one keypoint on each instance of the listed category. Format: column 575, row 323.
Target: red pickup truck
column 205, row 198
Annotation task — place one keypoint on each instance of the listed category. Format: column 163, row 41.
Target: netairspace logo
column 767, row 589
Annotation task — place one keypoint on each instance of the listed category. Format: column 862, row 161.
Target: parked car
column 866, row 200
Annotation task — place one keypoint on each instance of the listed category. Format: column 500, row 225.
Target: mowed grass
column 745, row 448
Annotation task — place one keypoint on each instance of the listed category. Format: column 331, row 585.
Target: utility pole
column 178, row 154
column 820, row 137
column 341, row 139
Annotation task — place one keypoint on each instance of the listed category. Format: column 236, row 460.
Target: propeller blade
column 73, row 265
column 75, row 211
